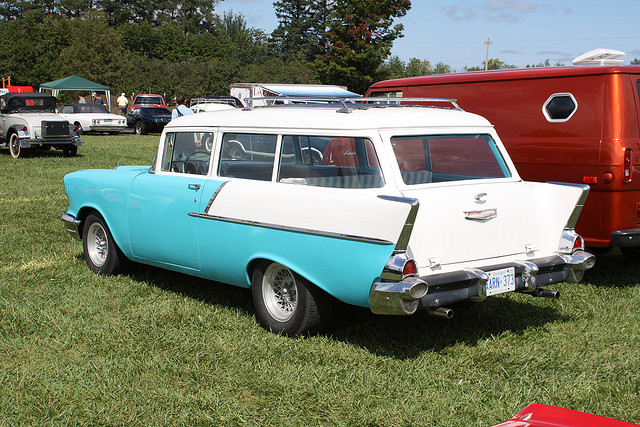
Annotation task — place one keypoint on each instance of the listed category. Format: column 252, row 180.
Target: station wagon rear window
column 441, row 158
column 338, row 162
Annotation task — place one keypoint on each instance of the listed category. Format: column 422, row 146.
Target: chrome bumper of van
column 401, row 298
column 626, row 238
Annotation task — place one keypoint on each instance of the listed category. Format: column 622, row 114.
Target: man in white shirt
column 122, row 102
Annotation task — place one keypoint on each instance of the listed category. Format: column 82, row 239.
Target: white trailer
column 243, row 91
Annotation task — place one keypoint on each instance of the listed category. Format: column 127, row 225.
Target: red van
column 571, row 124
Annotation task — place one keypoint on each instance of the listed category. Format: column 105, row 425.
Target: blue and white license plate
column 501, row 281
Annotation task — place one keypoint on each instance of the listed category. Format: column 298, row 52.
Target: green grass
column 159, row 348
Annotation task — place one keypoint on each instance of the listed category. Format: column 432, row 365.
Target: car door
column 161, row 229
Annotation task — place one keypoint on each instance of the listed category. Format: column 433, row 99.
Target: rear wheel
column 14, row 146
column 140, row 129
column 286, row 303
column 70, row 151
column 100, row 250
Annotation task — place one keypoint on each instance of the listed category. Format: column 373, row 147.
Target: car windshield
column 158, row 111
column 439, row 158
column 85, row 108
column 149, row 100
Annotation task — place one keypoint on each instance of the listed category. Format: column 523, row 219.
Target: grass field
column 159, row 348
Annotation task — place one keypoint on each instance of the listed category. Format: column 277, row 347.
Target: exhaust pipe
column 444, row 312
column 546, row 293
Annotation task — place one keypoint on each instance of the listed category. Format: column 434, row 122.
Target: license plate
column 501, row 281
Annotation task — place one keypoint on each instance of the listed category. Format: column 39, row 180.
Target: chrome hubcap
column 280, row 292
column 97, row 245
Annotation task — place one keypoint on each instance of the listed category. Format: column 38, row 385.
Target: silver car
column 28, row 120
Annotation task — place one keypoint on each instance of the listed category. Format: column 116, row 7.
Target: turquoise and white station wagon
column 397, row 208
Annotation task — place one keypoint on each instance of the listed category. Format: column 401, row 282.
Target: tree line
column 170, row 47
column 167, row 47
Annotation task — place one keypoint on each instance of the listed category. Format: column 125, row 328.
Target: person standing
column 81, row 99
column 97, row 100
column 180, row 109
column 122, row 102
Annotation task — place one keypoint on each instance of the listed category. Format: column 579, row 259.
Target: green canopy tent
column 76, row 83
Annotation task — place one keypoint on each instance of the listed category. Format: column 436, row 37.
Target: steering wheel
column 235, row 150
column 196, row 166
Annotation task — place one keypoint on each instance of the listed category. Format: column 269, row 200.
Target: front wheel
column 100, row 250
column 14, row 146
column 286, row 303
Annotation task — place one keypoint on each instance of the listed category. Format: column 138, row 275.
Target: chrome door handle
column 195, row 187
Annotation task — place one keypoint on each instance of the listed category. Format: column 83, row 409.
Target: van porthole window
column 559, row 107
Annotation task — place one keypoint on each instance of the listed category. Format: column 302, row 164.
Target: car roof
column 330, row 118
column 508, row 74
column 27, row 95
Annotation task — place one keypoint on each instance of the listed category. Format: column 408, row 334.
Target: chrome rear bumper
column 395, row 297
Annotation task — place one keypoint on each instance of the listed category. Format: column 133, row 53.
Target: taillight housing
column 570, row 242
column 628, row 165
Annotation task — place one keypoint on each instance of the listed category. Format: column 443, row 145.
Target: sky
column 521, row 32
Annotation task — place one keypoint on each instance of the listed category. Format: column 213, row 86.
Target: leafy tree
column 545, row 63
column 396, row 68
column 636, row 61
column 360, row 36
column 297, row 30
column 494, row 64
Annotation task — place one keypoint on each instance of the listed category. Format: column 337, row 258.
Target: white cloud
column 516, row 5
column 456, row 13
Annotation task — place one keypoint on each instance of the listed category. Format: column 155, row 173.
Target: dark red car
column 148, row 100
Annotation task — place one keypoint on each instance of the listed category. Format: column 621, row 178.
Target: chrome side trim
column 405, row 234
column 215, row 194
column 330, row 234
column 72, row 225
column 573, row 218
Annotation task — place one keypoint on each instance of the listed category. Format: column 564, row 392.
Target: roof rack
column 228, row 100
column 349, row 104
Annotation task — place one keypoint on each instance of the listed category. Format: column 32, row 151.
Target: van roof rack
column 347, row 105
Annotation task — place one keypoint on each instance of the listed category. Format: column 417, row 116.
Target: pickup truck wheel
column 286, row 303
column 100, row 250
column 140, row 129
column 14, row 146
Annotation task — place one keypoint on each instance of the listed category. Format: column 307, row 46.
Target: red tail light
column 578, row 243
column 409, row 269
column 628, row 165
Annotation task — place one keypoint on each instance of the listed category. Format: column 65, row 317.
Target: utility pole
column 486, row 62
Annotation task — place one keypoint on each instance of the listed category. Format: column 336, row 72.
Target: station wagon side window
column 187, row 152
column 248, row 156
column 441, row 158
column 339, row 162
